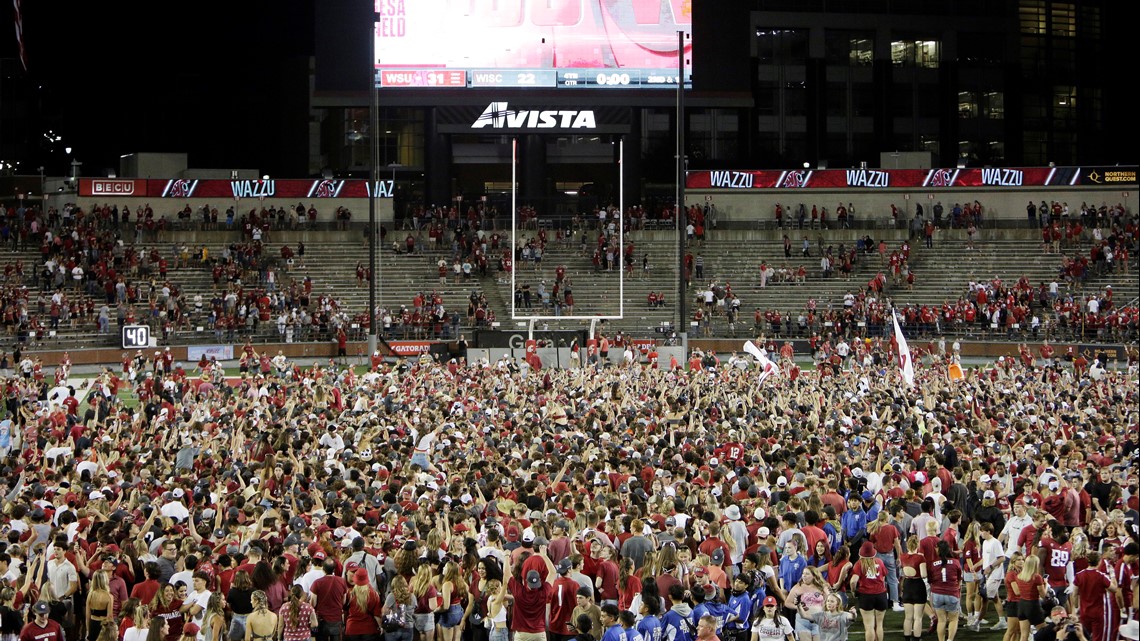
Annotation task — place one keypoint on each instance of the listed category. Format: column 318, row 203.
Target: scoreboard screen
column 428, row 44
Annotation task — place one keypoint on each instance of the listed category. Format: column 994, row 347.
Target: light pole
column 373, row 131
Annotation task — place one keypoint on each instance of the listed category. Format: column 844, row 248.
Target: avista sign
column 498, row 115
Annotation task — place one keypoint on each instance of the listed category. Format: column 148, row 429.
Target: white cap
column 989, row 495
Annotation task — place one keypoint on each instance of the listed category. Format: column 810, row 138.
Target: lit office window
column 916, row 53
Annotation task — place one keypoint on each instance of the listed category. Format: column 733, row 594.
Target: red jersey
column 946, row 577
column 1092, row 586
column 1057, row 560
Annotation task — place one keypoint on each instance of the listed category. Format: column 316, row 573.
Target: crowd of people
column 484, row 500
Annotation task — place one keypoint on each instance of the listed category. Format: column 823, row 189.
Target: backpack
column 973, row 502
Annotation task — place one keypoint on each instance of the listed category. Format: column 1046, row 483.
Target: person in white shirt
column 314, row 572
column 993, row 571
column 194, row 607
column 1013, row 527
column 174, row 508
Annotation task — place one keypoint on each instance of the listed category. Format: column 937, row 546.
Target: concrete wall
column 997, row 203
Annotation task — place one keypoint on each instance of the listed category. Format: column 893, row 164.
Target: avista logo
column 498, row 116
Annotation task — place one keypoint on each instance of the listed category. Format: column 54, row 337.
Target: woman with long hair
column 1030, row 588
column 913, row 568
column 486, row 571
column 808, row 595
column 214, row 618
column 838, row 572
column 427, row 601
column 157, row 629
column 454, row 599
column 364, row 609
column 868, row 580
column 1012, row 597
column 167, row 605
column 137, row 622
column 240, row 602
column 130, row 614
column 972, row 572
column 769, row 624
column 12, row 620
column 496, row 621
column 628, row 584
column 832, row 617
column 297, row 618
column 264, row 578
column 945, row 590
column 398, row 611
column 99, row 604
column 261, row 624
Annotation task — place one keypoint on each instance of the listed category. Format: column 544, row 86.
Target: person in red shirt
column 1029, row 588
column 606, row 576
column 945, row 587
column 914, row 571
column 328, row 594
column 1056, row 556
column 888, row 548
column 531, row 598
column 868, row 580
column 364, row 607
column 563, row 600
column 1096, row 599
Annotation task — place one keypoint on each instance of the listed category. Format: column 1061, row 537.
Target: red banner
column 232, row 189
column 909, row 178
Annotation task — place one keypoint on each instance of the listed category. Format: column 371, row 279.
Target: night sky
column 134, row 76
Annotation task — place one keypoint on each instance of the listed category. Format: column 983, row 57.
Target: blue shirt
column 651, row 629
column 854, row 523
column 677, row 627
column 792, row 570
column 614, row 633
column 741, row 608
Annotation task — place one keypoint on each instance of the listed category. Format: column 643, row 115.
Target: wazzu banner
column 111, row 188
column 871, row 179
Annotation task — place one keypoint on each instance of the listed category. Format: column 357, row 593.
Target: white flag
column 906, row 366
column 767, row 367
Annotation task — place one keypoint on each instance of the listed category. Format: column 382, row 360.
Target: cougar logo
column 941, row 178
column 179, row 188
column 326, row 188
column 794, row 179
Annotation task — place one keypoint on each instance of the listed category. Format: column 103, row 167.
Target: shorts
column 945, row 602
column 913, row 591
column 421, row 460
column 424, row 622
column 1031, row 611
column 452, row 617
column 873, row 602
column 969, row 577
column 805, row 625
column 1010, row 608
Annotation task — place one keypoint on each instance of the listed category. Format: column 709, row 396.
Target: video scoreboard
column 551, row 44
column 540, row 78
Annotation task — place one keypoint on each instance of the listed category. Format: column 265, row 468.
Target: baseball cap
column 564, row 566
column 533, row 580
column 769, row 600
column 989, row 495
column 41, row 607
column 191, row 629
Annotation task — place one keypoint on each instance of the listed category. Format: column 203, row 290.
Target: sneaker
column 898, row 608
column 981, row 622
column 974, row 627
column 1000, row 625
